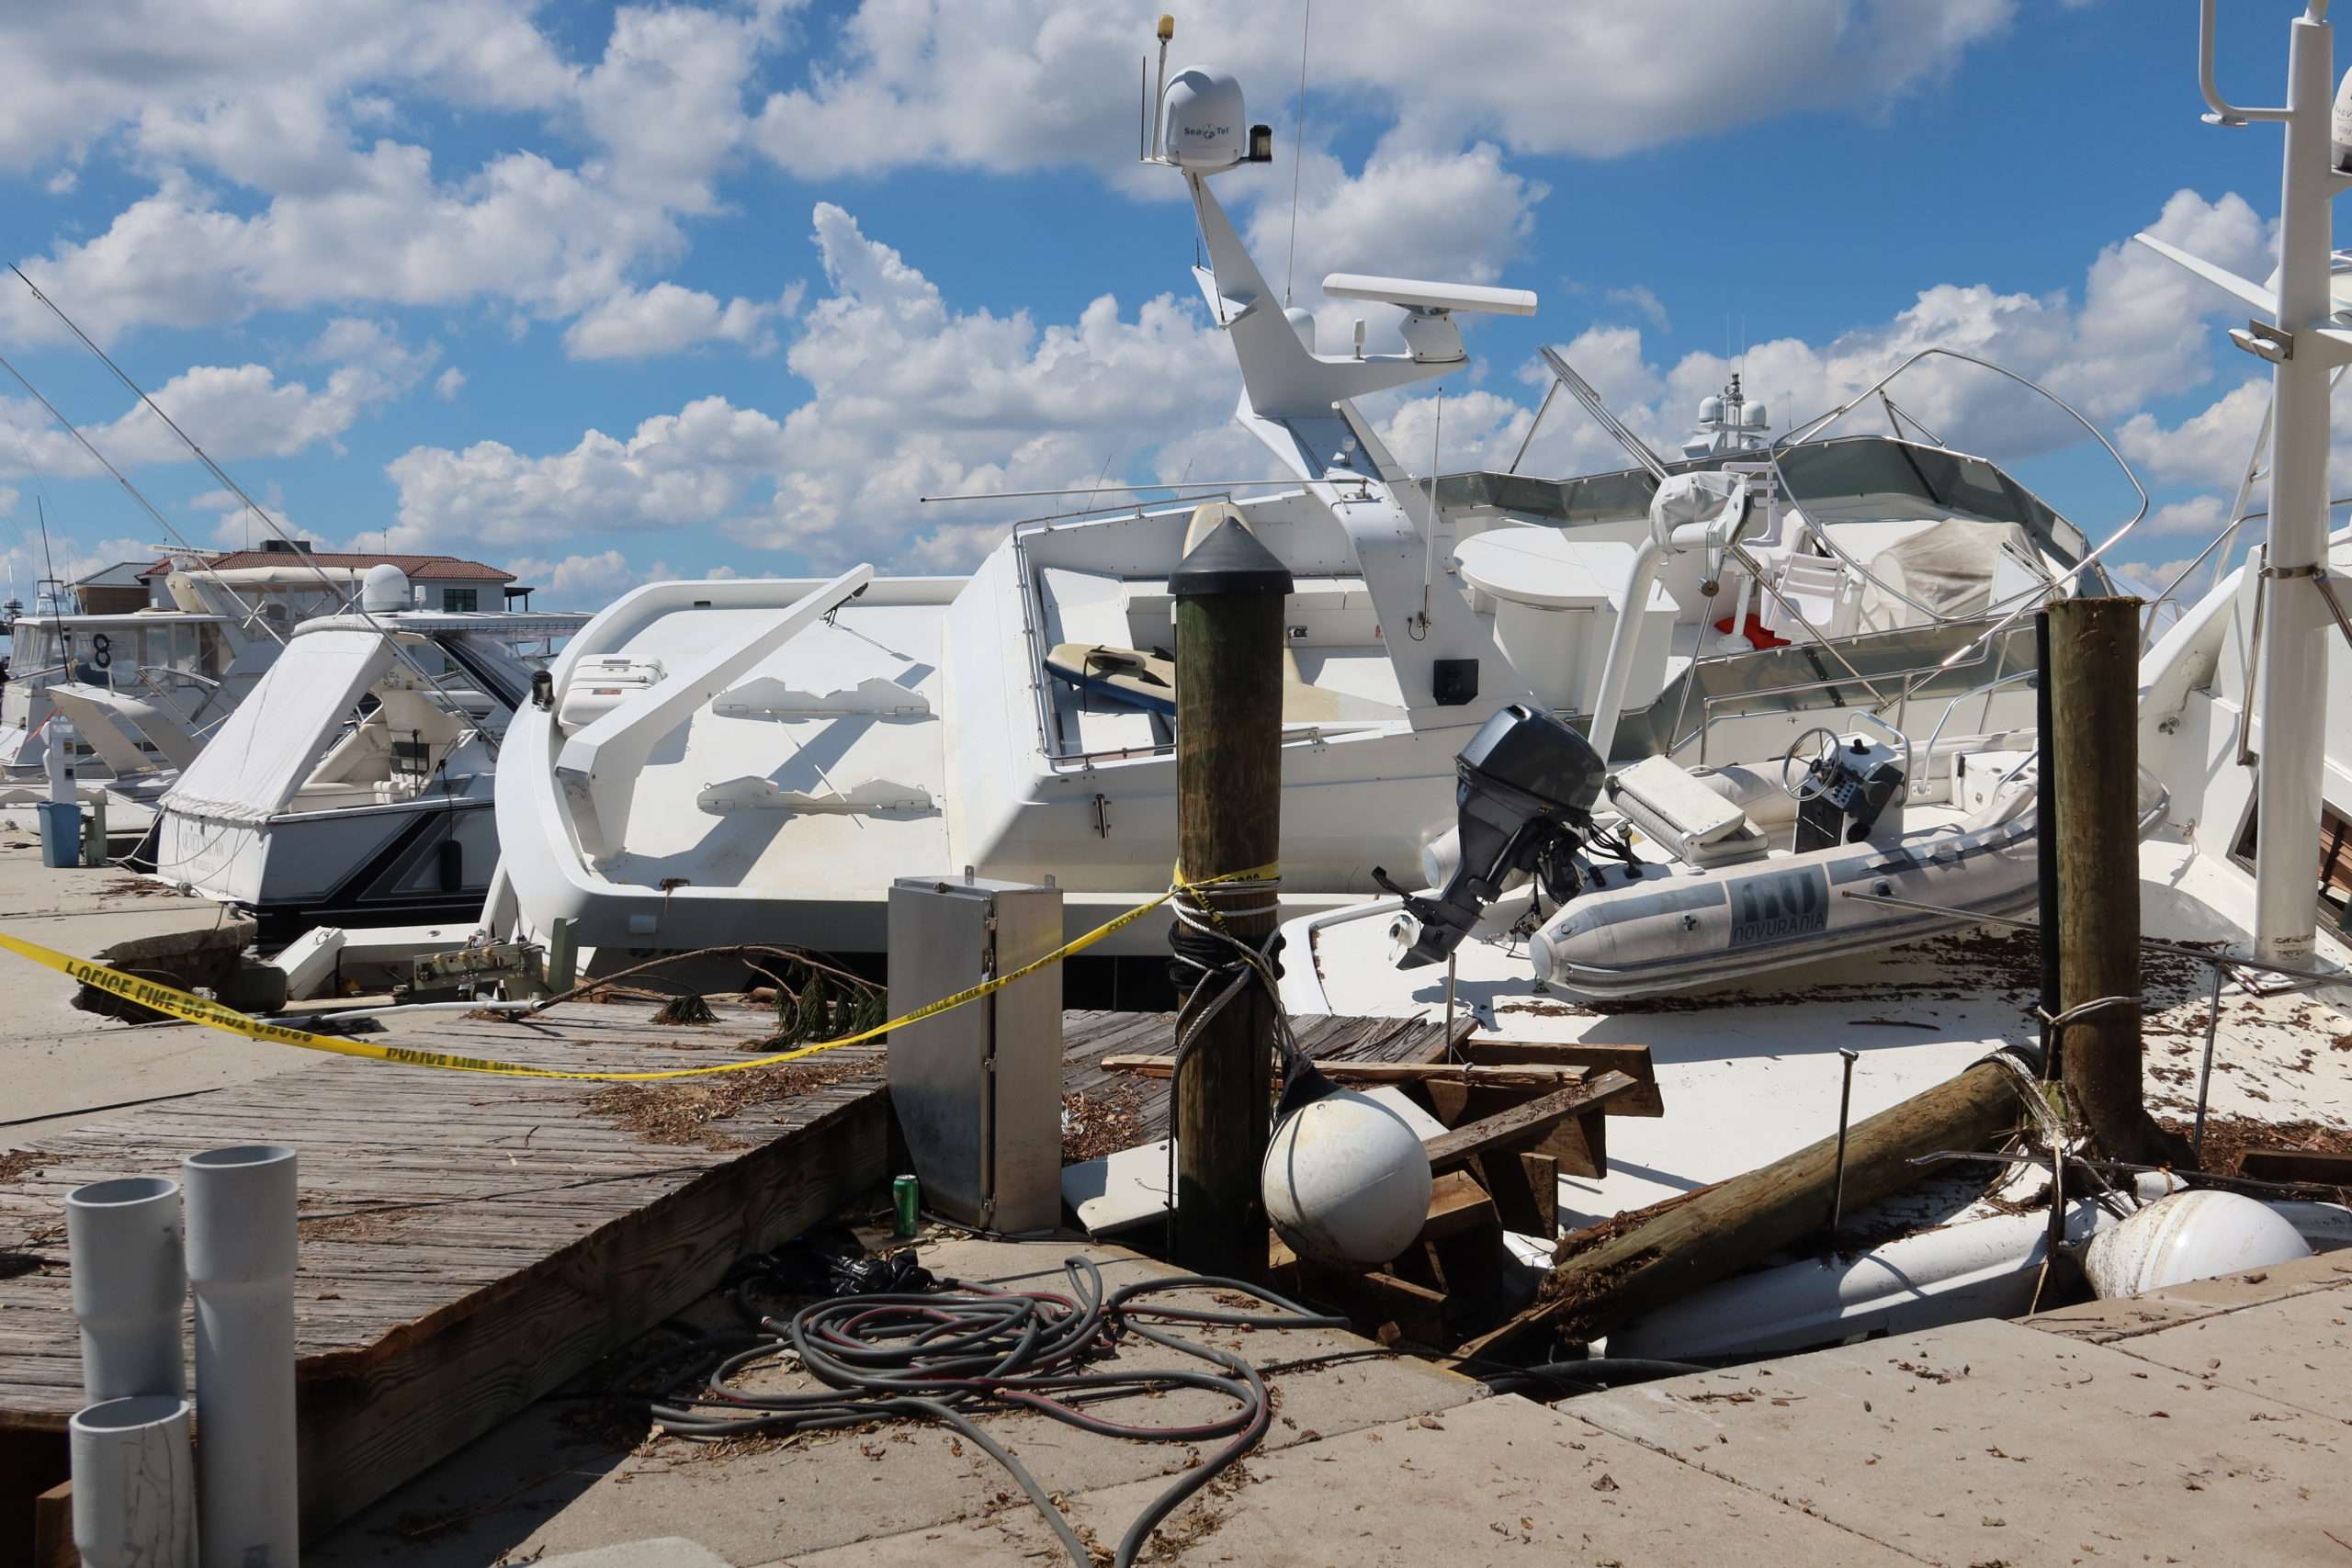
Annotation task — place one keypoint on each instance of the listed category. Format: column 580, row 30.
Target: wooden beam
column 1361, row 1073
column 1382, row 1305
column 53, row 1529
column 1633, row 1061
column 1580, row 1144
column 1458, row 1203
column 1544, row 1180
column 1525, row 1126
column 2296, row 1165
column 1696, row 1239
column 1517, row 1192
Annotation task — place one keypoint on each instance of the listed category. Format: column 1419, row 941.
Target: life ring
column 101, row 650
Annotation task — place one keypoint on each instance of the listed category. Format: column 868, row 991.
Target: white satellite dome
column 1711, row 410
column 1205, row 128
column 1346, row 1180
column 2191, row 1235
column 384, row 589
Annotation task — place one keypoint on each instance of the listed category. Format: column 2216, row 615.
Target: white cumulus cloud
column 634, row 324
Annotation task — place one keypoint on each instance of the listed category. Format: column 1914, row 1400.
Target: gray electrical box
column 978, row 1090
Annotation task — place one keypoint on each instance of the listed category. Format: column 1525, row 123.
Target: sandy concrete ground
column 2206, row 1424
column 57, row 1066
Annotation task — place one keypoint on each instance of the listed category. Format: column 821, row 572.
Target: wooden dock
column 470, row 1242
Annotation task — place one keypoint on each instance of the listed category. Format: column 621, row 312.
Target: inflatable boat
column 1659, row 928
column 1682, row 887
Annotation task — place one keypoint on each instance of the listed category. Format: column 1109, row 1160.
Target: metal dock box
column 978, row 1090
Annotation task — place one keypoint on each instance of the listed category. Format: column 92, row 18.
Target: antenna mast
column 2302, row 347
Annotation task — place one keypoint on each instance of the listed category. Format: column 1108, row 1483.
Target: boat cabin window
column 33, row 648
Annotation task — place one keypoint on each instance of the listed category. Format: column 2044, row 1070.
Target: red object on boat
column 1755, row 633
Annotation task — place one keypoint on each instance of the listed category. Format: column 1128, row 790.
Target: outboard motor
column 1528, row 784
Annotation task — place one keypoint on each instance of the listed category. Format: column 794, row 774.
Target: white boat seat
column 1691, row 822
column 1813, row 596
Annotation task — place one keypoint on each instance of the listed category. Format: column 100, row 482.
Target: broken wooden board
column 1356, row 1074
column 1633, row 1061
column 1523, row 1127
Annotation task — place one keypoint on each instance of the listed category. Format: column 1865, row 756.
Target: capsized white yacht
column 711, row 758
column 352, row 786
column 1704, row 904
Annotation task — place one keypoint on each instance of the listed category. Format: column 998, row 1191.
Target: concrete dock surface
column 2210, row 1423
column 59, row 1066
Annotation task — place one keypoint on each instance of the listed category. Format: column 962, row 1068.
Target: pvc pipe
column 130, row 1286
column 134, row 1483
column 241, row 1254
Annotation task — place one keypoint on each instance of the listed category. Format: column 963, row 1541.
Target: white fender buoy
column 1346, row 1180
column 129, row 1283
column 2191, row 1235
column 134, row 1483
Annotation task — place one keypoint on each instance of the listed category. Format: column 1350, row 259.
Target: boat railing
column 1709, row 706
column 2219, row 553
column 2023, row 601
column 1033, row 621
column 1985, row 691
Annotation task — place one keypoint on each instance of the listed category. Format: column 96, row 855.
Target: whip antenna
column 1298, row 153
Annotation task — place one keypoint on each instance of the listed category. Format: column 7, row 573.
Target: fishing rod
column 358, row 604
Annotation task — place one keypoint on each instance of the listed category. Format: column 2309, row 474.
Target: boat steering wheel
column 1820, row 762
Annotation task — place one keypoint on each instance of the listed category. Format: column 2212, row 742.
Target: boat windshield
column 1802, row 677
column 1897, row 478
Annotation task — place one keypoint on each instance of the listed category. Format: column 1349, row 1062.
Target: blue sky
column 601, row 292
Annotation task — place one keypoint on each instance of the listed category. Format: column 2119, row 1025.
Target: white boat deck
column 1749, row 1070
column 750, row 755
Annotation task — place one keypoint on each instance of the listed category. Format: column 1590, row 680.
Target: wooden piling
column 2046, row 845
column 2093, row 815
column 1229, row 593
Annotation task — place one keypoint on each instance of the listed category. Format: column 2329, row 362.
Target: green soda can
column 906, row 1198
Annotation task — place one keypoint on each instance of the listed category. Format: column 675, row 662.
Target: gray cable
column 944, row 1356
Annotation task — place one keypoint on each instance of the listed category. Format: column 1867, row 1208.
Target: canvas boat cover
column 271, row 741
column 1947, row 567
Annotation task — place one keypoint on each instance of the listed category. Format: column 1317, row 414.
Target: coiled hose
column 944, row 1356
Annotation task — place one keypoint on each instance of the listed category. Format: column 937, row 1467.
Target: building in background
column 439, row 583
column 119, row 589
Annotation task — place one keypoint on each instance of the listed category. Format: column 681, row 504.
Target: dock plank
column 469, row 1242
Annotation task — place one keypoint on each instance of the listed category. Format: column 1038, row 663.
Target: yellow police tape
column 212, row 1015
